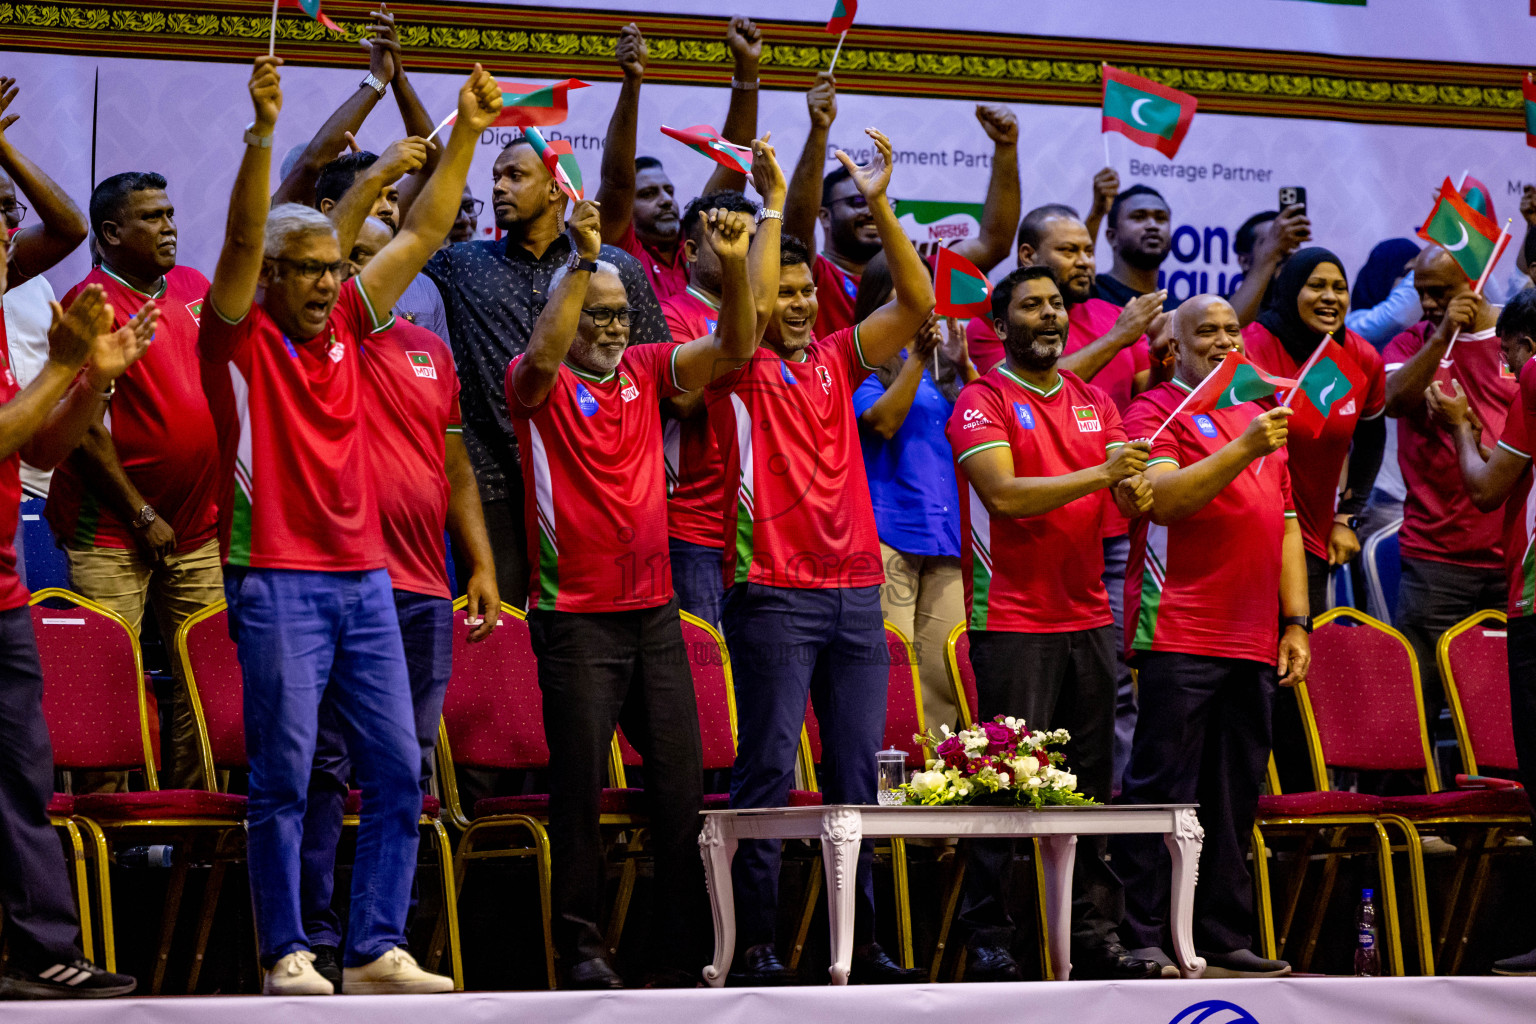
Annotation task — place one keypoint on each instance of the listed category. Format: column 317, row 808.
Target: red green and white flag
column 312, row 8
column 557, row 156
column 1234, row 381
column 842, row 16
column 704, row 140
column 1329, row 383
column 1528, row 91
column 1471, row 238
column 1145, row 112
column 523, row 104
column 1479, row 197
column 961, row 289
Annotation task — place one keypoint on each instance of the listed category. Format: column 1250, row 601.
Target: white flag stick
column 1498, row 250
column 1462, row 183
column 441, row 125
column 272, row 38
column 1107, row 162
column 840, row 38
column 1192, row 393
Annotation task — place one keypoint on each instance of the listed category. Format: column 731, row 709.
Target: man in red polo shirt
column 1038, row 454
column 134, row 507
column 1216, row 609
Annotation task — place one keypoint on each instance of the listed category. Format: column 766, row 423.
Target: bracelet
column 737, row 83
column 767, row 214
column 111, row 390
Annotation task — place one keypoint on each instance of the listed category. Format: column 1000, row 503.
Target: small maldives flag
column 1145, row 112
column 1479, row 197
column 961, row 289
column 557, row 156
column 1528, row 90
column 703, row 139
column 523, row 104
column 1470, row 238
column 1234, row 381
column 312, row 8
column 844, row 10
column 1330, row 385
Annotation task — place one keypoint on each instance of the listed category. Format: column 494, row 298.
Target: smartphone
column 1293, row 195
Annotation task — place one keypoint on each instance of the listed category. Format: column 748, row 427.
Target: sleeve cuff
column 1513, row 450
column 980, row 448
column 672, row 368
column 1165, row 460
column 858, row 346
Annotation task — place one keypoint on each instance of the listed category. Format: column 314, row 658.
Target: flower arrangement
column 997, row 763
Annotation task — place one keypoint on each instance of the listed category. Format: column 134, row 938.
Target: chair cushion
column 1299, row 805
column 163, row 803
column 1503, row 802
column 717, row 801
column 430, row 805
column 611, row 801
column 805, row 798
column 61, row 806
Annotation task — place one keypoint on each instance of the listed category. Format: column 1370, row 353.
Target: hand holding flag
column 1327, row 380
column 1147, row 113
column 767, row 175
column 557, row 156
column 960, row 288
column 839, row 24
column 705, row 141
column 1234, row 381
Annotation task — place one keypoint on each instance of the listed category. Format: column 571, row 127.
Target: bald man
column 1452, row 554
column 1215, row 613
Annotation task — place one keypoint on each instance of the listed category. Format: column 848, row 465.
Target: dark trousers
column 1202, row 736
column 1292, row 761
column 1522, row 696
column 34, row 884
column 1052, row 681
column 1116, row 551
column 426, row 629
column 509, row 547
column 1431, row 598
column 597, row 671
column 698, row 578
column 787, row 644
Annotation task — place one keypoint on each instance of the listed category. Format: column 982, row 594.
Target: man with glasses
column 467, row 221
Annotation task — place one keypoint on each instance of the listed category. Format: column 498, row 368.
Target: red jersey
column 1440, row 523
column 1208, row 584
column 1087, row 322
column 1041, row 574
column 1320, row 459
column 695, row 470
column 160, row 424
column 1519, row 438
column 595, row 489
column 666, row 280
column 797, row 498
column 836, row 291
column 411, row 397
column 12, row 593
column 289, row 431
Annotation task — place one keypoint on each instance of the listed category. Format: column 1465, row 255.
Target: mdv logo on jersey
column 1214, row 1011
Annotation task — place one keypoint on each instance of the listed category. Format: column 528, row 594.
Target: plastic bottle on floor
column 1367, row 952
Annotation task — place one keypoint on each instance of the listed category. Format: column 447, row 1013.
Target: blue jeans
column 786, row 644
column 426, row 628
column 698, row 579
column 302, row 635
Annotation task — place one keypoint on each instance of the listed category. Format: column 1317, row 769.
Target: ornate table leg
column 718, row 850
column 1184, row 844
column 1058, row 853
column 841, row 830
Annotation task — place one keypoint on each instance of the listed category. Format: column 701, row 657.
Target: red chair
column 962, row 677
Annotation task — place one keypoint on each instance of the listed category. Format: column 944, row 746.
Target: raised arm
column 1280, row 238
column 1106, row 185
column 891, row 326
column 990, row 472
column 417, row 119
column 1489, row 480
column 763, row 260
column 1406, row 384
column 1000, row 215
column 728, row 234
column 238, row 270
column 1130, row 325
column 1178, row 492
column 533, row 376
column 405, row 156
column 616, row 191
column 389, row 273
column 60, row 226
column 885, row 417
column 746, row 42
column 803, row 203
column 471, row 542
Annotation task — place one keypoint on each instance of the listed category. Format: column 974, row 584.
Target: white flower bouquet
column 997, row 763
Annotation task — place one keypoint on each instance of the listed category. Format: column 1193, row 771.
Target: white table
column 841, row 827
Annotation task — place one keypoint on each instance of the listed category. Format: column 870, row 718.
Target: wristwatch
column 146, row 516
column 576, row 262
column 766, row 214
column 372, row 82
column 1342, row 519
column 259, row 141
column 1304, row 621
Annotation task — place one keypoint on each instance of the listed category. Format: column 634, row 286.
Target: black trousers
column 42, row 924
column 508, row 532
column 1202, row 736
column 1431, row 598
column 1522, row 696
column 1292, row 761
column 631, row 669
column 1052, row 681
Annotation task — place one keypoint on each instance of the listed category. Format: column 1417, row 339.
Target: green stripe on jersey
column 240, row 530
column 1154, row 571
column 88, row 521
column 743, row 542
column 549, row 573
column 981, row 560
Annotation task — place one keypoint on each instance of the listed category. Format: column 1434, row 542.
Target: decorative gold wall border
column 890, row 61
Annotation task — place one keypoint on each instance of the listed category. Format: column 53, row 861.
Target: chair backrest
column 493, row 711
column 1361, row 700
column 1383, row 567
column 210, row 662
column 962, row 677
column 1474, row 665
column 100, row 714
column 713, row 692
column 903, row 710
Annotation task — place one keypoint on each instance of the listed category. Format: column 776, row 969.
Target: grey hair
column 291, row 221
column 603, row 267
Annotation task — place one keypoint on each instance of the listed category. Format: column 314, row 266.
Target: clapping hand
column 112, row 352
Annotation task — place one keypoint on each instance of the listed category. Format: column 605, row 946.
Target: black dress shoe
column 872, row 966
column 760, row 966
column 991, row 963
column 328, row 965
column 1112, row 963
column 594, row 973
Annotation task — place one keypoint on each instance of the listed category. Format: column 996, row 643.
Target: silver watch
column 259, row 141
column 372, row 82
column 766, row 214
column 146, row 516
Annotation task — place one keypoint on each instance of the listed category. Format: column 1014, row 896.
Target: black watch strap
column 1304, row 621
column 576, row 262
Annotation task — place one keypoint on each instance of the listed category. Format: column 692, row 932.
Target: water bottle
column 1367, row 954
column 159, row 856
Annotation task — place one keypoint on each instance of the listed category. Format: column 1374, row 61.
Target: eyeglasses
column 312, row 270
column 604, row 317
column 13, row 212
column 855, row 202
column 472, row 207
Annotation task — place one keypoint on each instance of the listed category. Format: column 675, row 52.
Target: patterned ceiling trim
column 888, row 61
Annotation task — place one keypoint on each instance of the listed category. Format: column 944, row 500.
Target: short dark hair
column 793, row 252
column 1134, row 190
column 1519, row 315
column 725, row 198
column 107, row 198
column 645, row 162
column 1002, row 295
column 338, row 175
column 1033, row 224
column 1242, row 242
column 838, row 176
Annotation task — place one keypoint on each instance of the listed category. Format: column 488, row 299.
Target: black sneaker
column 73, row 979
column 328, row 964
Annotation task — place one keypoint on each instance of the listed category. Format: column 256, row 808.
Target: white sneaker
column 1434, row 846
column 295, row 975
column 394, row 973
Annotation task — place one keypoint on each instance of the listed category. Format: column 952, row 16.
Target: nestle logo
column 939, row 232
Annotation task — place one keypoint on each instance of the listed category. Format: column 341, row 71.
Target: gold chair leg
column 1418, row 888
column 1479, row 886
column 1325, row 893
column 82, row 885
column 174, row 890
column 812, row 893
column 1261, row 884
column 210, row 909
column 450, row 902
column 1464, row 858
column 951, row 901
column 1047, row 969
column 1389, row 901
column 903, row 900
column 1293, row 887
column 102, row 857
column 621, row 900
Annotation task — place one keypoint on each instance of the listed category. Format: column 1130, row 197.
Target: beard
column 1032, row 349
column 1143, row 260
column 595, row 358
column 849, row 245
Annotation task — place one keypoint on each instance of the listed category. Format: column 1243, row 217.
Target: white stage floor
column 1285, row 1001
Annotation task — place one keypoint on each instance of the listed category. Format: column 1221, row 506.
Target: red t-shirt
column 595, row 486
column 1440, row 523
column 836, row 290
column 666, row 281
column 12, row 593
column 290, row 433
column 1319, row 460
column 160, row 423
column 1208, row 584
column 695, row 470
column 1519, row 438
column 411, row 398
column 1041, row 574
column 797, row 498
